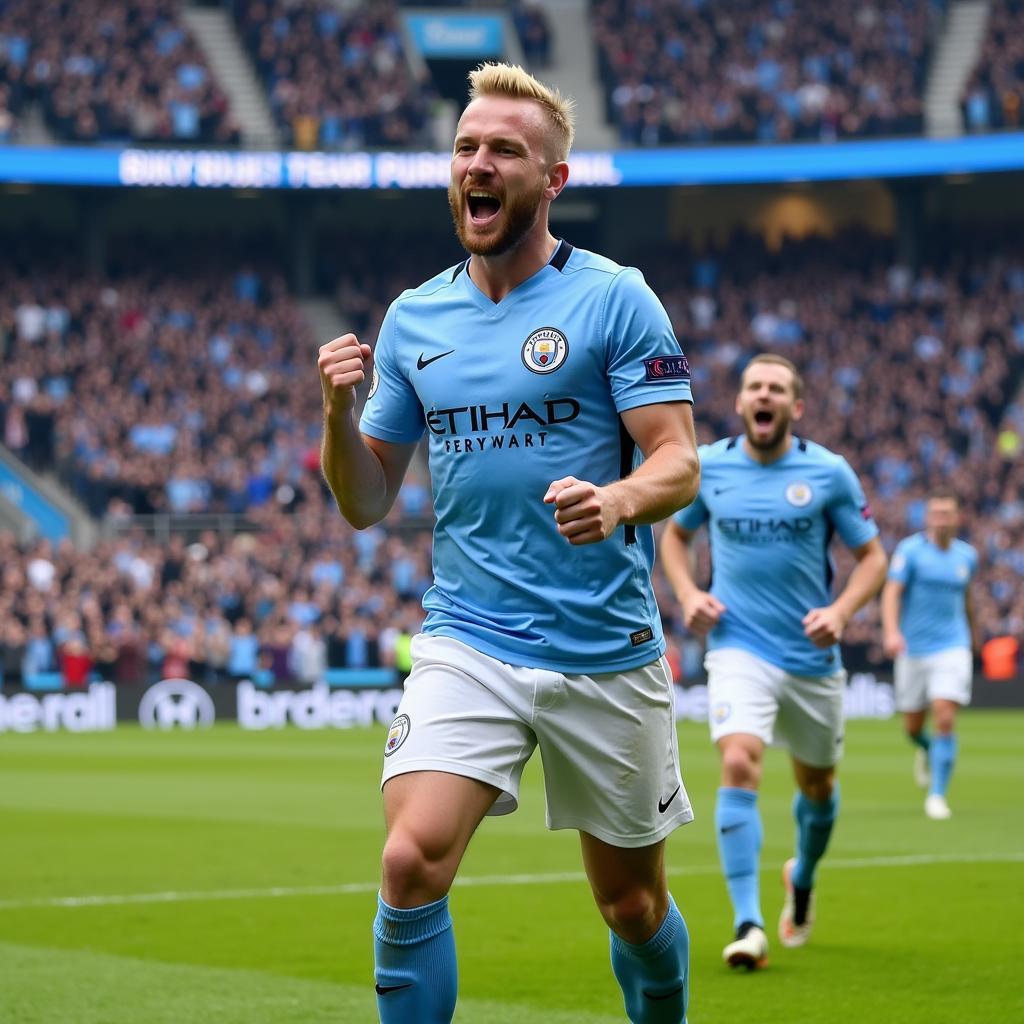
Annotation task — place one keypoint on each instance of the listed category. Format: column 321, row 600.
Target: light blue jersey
column 770, row 529
column 933, row 609
column 514, row 395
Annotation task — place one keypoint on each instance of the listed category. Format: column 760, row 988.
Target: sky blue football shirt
column 933, row 612
column 770, row 529
column 514, row 395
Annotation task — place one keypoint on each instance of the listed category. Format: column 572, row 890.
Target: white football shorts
column 945, row 675
column 750, row 695
column 608, row 741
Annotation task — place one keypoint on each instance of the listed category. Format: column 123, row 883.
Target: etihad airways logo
column 471, row 419
column 471, row 428
column 747, row 529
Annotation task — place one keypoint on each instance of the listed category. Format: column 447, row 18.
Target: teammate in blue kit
column 772, row 503
column 928, row 627
column 536, row 371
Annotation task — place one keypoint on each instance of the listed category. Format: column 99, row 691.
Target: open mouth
column 483, row 207
column 764, row 418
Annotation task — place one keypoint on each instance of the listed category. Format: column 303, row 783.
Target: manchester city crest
column 397, row 734
column 545, row 350
column 799, row 494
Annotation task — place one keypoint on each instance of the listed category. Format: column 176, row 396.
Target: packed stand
column 109, row 72
column 152, row 393
column 917, row 377
column 336, row 79
column 994, row 96
column 697, row 71
column 191, row 390
column 282, row 605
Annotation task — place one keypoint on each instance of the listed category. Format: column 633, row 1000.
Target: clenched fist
column 584, row 512
column 344, row 364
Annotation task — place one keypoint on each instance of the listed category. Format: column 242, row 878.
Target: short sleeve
column 972, row 560
column 849, row 510
column 645, row 362
column 693, row 516
column 900, row 567
column 393, row 411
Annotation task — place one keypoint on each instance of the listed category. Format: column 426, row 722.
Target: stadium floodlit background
column 198, row 656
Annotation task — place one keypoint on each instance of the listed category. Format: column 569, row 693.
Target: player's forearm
column 972, row 625
column 667, row 481
column 890, row 608
column 676, row 560
column 353, row 473
column 865, row 581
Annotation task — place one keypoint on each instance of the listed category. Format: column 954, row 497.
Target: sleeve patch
column 673, row 367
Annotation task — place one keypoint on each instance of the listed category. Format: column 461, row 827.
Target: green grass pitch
column 229, row 877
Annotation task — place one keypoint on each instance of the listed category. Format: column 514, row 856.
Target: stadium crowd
column 105, row 72
column 336, row 78
column 733, row 71
column 994, row 96
column 153, row 393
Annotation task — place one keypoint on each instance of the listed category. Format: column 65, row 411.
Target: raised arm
column 363, row 473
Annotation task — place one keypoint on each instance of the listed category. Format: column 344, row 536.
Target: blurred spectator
column 76, row 661
column 994, row 94
column 534, row 31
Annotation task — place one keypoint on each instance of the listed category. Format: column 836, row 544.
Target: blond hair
column 773, row 360
column 512, row 80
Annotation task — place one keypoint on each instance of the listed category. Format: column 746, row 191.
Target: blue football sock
column 941, row 759
column 654, row 977
column 414, row 964
column 738, row 827
column 921, row 739
column 814, row 821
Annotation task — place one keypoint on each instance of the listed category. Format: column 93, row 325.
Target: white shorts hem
column 506, row 802
column 625, row 842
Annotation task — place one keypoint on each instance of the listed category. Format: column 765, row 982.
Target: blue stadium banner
column 454, row 34
column 718, row 165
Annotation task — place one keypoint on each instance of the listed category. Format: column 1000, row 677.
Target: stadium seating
column 733, row 70
column 336, row 78
column 127, row 71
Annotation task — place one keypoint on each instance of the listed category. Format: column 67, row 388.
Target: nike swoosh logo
column 421, row 362
column 663, row 804
column 731, row 828
column 391, row 988
column 722, row 490
column 667, row 995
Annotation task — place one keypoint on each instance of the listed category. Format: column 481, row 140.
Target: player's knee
column 632, row 913
column 412, row 874
column 816, row 784
column 818, row 790
column 943, row 716
column 740, row 767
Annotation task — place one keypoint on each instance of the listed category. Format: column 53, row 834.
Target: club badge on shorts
column 396, row 734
